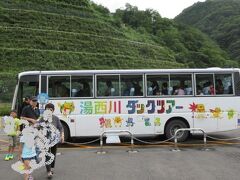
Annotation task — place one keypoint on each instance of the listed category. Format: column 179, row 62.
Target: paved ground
column 150, row 163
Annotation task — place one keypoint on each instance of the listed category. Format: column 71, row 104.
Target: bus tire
column 172, row 126
column 66, row 132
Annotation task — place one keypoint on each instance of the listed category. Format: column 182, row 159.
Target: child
column 12, row 127
column 27, row 150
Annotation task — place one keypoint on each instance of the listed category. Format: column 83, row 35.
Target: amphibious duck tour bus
column 145, row 102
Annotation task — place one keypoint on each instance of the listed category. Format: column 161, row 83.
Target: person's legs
column 54, row 152
column 8, row 155
column 6, row 158
column 50, row 167
column 12, row 147
column 11, row 153
column 26, row 168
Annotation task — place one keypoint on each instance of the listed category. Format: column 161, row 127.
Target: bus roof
column 128, row 71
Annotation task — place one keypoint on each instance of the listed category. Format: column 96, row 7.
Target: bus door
column 28, row 86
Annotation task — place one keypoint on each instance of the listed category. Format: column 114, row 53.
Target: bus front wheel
column 173, row 126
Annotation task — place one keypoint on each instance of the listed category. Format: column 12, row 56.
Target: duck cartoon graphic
column 200, row 108
column 216, row 113
column 200, row 111
column 66, row 108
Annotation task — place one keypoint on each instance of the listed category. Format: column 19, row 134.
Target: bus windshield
column 28, row 86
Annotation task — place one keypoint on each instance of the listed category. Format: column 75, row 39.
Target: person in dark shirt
column 25, row 103
column 31, row 112
column 164, row 88
column 110, row 91
column 57, row 123
column 155, row 87
column 137, row 88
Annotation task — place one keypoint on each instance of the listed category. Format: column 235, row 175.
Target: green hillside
column 220, row 19
column 69, row 34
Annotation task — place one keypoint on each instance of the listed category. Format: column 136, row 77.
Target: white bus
column 145, row 102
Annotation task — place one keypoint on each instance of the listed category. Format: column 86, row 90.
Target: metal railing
column 116, row 132
column 189, row 129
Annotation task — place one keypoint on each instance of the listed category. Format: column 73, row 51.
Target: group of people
column 60, row 90
column 180, row 89
column 208, row 88
column 132, row 89
column 154, row 89
column 18, row 133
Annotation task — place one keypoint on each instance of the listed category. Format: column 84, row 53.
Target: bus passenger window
column 205, row 84
column 157, row 85
column 59, row 86
column 181, row 84
column 223, row 84
column 199, row 90
column 107, row 85
column 165, row 88
column 179, row 90
column 82, row 86
column 219, row 86
column 137, row 88
column 132, row 85
column 60, row 90
column 128, row 89
column 154, row 87
column 110, row 90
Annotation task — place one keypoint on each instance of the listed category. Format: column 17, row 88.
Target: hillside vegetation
column 220, row 19
column 69, row 34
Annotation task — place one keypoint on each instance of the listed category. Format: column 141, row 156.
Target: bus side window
column 127, row 88
column 107, row 85
column 223, row 84
column 181, row 84
column 199, row 90
column 137, row 88
column 164, row 88
column 59, row 86
column 236, row 83
column 204, row 84
column 110, row 90
column 132, row 85
column 82, row 86
column 61, row 90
